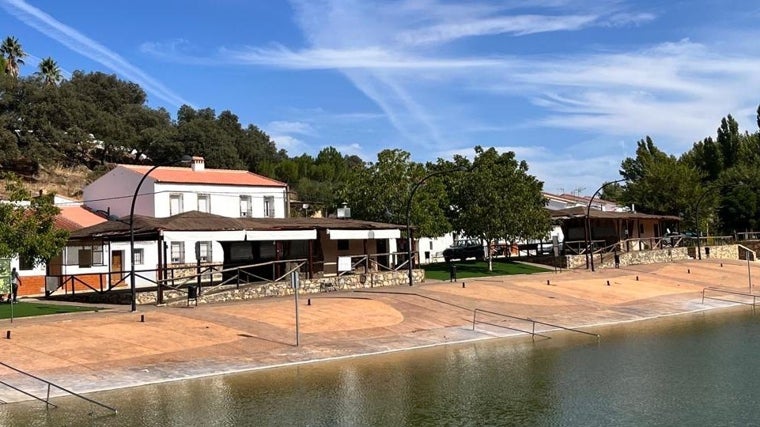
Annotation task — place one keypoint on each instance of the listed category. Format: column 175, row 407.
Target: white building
column 169, row 191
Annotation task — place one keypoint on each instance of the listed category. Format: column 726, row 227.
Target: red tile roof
column 186, row 175
column 75, row 217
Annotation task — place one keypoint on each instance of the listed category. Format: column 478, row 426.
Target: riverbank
column 87, row 352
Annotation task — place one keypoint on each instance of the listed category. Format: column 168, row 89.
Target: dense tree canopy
column 28, row 230
column 498, row 200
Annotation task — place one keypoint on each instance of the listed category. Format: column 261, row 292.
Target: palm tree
column 49, row 71
column 13, row 53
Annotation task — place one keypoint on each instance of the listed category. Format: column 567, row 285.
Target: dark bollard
column 688, row 271
column 462, row 284
column 7, row 335
column 721, row 265
column 548, row 283
column 308, row 301
column 608, row 283
column 142, row 318
column 452, row 273
column 637, row 278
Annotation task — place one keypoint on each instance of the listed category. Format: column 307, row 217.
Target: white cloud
column 287, row 127
column 517, row 25
column 292, row 145
column 89, row 48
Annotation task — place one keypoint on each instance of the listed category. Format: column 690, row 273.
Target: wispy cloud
column 89, row 48
column 518, row 25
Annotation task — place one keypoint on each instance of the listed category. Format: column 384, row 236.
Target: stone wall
column 607, row 260
column 307, row 286
column 718, row 252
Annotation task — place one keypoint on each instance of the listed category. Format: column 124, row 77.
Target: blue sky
column 570, row 86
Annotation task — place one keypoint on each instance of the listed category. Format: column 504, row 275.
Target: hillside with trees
column 55, row 128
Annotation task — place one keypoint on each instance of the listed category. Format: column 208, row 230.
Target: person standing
column 15, row 283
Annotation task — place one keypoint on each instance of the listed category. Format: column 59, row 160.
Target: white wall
column 115, row 189
column 434, row 246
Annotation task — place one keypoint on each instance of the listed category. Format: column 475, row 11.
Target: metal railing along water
column 731, row 292
column 50, row 385
column 525, row 319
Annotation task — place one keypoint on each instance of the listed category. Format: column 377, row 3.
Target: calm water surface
column 700, row 370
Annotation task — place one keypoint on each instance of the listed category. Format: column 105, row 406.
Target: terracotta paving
column 113, row 348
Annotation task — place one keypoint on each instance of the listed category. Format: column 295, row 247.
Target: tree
column 50, row 72
column 14, row 55
column 729, row 141
column 498, row 200
column 29, row 231
column 659, row 183
column 380, row 192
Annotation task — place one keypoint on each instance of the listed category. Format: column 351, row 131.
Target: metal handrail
column 525, row 319
column 728, row 291
column 51, row 384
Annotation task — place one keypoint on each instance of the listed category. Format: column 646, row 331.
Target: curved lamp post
column 409, row 211
column 708, row 190
column 588, row 219
column 132, row 279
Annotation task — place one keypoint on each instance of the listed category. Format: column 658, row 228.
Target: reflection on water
column 696, row 370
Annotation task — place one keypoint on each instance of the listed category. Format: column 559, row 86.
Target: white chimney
column 198, row 164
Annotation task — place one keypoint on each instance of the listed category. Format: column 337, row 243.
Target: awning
column 363, row 234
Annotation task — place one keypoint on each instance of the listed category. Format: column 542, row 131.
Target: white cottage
column 168, row 191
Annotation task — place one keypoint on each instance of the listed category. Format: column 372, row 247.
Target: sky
column 569, row 86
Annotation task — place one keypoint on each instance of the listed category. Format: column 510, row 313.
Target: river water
column 700, row 369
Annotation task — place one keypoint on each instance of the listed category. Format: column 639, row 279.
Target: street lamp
column 409, row 212
column 132, row 279
column 709, row 190
column 588, row 219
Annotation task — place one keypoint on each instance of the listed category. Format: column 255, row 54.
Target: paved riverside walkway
column 112, row 348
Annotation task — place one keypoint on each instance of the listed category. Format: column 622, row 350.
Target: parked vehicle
column 464, row 249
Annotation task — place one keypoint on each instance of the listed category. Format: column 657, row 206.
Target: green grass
column 27, row 309
column 468, row 269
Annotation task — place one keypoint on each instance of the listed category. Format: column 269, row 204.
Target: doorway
column 117, row 267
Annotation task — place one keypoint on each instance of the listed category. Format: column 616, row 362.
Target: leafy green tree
column 29, row 230
column 50, row 72
column 498, row 199
column 706, row 157
column 14, row 55
column 381, row 190
column 659, row 183
column 729, row 141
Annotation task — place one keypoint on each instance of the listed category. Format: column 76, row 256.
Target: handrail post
column 47, row 399
column 474, row 313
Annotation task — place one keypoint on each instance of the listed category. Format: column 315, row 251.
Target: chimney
column 198, row 164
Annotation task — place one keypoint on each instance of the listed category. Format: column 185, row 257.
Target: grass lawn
column 26, row 309
column 467, row 269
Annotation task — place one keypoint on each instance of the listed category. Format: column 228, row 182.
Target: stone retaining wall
column 719, row 252
column 307, row 286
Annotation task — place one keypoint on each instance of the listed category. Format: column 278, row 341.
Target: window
column 139, row 256
column 245, row 206
column 342, row 245
column 178, row 252
column 84, row 256
column 175, row 204
column 25, row 263
column 204, row 203
column 97, row 255
column 269, row 206
column 204, row 251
